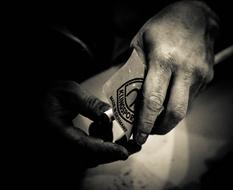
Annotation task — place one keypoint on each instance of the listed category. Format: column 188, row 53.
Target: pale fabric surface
column 175, row 159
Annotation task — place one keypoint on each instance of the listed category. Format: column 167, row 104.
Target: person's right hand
column 65, row 100
column 177, row 46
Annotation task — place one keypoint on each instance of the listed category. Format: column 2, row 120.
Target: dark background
column 44, row 54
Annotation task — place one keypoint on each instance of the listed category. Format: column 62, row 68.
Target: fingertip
column 123, row 152
column 114, row 151
column 141, row 138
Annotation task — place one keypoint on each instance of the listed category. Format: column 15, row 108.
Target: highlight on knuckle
column 155, row 102
column 166, row 64
column 149, row 34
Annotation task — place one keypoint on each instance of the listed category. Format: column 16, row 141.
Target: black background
column 39, row 54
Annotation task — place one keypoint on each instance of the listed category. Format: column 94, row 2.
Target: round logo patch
column 126, row 98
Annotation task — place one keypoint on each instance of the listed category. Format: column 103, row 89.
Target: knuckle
column 154, row 102
column 166, row 63
column 91, row 102
column 166, row 58
column 149, row 34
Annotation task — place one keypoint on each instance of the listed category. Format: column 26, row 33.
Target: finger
column 93, row 108
column 89, row 105
column 100, row 152
column 130, row 145
column 154, row 92
column 74, row 99
column 177, row 103
column 96, row 150
column 102, row 131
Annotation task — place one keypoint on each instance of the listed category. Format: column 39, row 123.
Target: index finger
column 154, row 93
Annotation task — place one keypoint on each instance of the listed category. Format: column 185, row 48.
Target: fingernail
column 141, row 138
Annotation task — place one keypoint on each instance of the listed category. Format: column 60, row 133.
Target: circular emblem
column 126, row 98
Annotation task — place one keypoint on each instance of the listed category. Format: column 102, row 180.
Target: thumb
column 75, row 97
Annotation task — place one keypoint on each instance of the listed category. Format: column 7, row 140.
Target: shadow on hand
column 130, row 145
column 101, row 131
column 105, row 132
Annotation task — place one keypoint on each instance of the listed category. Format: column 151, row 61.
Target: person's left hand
column 64, row 101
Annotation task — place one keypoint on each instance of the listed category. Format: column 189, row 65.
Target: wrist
column 191, row 16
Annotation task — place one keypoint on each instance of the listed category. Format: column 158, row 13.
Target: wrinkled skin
column 176, row 45
column 64, row 101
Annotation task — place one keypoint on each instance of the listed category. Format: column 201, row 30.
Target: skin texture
column 176, row 45
column 64, row 101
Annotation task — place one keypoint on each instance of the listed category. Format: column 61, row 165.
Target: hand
column 64, row 102
column 177, row 47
